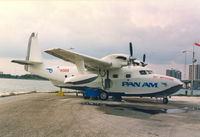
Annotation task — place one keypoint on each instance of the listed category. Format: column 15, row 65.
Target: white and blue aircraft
column 113, row 75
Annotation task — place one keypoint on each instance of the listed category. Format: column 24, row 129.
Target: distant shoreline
column 26, row 76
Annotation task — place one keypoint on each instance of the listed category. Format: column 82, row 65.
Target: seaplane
column 115, row 75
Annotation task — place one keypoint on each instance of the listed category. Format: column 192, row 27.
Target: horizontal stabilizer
column 26, row 62
column 81, row 79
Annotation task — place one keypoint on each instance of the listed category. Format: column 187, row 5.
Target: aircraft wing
column 90, row 62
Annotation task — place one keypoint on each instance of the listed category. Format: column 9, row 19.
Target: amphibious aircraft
column 113, row 75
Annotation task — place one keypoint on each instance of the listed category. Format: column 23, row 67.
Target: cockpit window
column 121, row 57
column 149, row 71
column 143, row 72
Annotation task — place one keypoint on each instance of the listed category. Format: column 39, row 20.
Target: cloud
column 161, row 29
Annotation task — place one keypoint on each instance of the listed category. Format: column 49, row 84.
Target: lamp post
column 193, row 61
column 185, row 51
column 185, row 62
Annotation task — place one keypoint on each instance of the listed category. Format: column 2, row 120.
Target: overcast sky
column 160, row 29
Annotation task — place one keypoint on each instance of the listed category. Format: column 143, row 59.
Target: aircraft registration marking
column 64, row 70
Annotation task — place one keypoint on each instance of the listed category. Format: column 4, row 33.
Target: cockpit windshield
column 145, row 72
column 149, row 71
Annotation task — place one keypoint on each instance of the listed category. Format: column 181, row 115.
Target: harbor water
column 19, row 85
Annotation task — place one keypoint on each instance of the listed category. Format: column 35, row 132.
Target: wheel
column 165, row 100
column 103, row 95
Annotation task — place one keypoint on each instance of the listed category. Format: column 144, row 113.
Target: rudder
column 33, row 51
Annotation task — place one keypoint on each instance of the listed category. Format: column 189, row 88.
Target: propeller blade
column 131, row 49
column 144, row 58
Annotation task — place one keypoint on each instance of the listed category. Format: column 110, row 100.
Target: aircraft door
column 107, row 80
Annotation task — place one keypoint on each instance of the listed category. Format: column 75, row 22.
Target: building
column 1, row 72
column 196, row 72
column 174, row 73
column 196, row 75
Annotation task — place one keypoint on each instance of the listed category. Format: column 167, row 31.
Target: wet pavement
column 45, row 114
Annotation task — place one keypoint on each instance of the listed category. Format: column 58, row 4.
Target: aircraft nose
column 178, row 82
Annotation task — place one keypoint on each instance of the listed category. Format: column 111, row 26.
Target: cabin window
column 128, row 75
column 115, row 75
column 143, row 72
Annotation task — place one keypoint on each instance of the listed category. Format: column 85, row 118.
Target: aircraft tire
column 165, row 100
column 103, row 95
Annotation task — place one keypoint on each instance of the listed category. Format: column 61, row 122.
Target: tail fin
column 33, row 53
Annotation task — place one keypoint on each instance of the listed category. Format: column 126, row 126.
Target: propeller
column 131, row 49
column 143, row 61
column 144, row 58
column 132, row 60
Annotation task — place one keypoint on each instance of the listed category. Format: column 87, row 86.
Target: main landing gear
column 103, row 95
column 165, row 100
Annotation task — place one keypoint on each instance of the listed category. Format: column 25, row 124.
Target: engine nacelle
column 117, row 60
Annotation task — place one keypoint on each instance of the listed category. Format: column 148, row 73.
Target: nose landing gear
column 165, row 100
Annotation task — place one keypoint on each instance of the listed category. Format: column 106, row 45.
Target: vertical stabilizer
column 33, row 51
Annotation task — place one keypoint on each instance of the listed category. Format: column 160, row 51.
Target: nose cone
column 178, row 82
column 176, row 85
column 170, row 85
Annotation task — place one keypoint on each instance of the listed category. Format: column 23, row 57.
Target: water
column 135, row 111
column 182, row 91
column 19, row 85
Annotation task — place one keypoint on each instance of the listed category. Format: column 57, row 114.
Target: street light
column 193, row 61
column 185, row 63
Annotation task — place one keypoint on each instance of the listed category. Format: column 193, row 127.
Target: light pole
column 185, row 62
column 193, row 61
column 185, row 51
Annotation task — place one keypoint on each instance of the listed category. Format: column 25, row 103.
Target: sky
column 160, row 29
